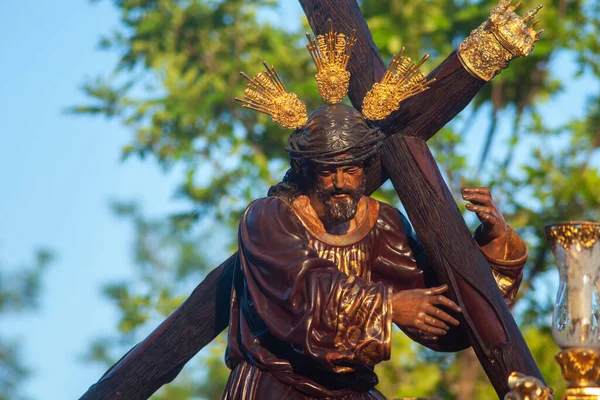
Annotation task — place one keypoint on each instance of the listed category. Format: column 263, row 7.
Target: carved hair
column 331, row 131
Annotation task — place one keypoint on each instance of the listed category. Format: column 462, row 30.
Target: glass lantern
column 576, row 247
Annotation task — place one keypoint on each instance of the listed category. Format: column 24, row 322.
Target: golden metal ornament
column 266, row 94
column 403, row 79
column 580, row 367
column 524, row 387
column 583, row 234
column 581, row 370
column 504, row 36
column 331, row 53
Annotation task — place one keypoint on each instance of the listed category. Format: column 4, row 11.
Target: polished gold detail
column 582, row 393
column 580, row 367
column 331, row 53
column 266, row 94
column 504, row 36
column 583, row 234
column 581, row 370
column 349, row 260
column 524, row 387
column 361, row 323
column 403, row 78
column 505, row 283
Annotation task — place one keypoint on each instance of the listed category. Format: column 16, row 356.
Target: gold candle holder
column 576, row 319
column 581, row 370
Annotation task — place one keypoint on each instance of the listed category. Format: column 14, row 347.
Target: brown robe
column 311, row 312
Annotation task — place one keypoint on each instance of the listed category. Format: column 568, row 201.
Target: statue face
column 340, row 188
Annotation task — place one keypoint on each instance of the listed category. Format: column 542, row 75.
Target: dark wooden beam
column 160, row 357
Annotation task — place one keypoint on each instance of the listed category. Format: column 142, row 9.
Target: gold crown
column 266, row 94
column 505, row 25
column 331, row 53
column 402, row 80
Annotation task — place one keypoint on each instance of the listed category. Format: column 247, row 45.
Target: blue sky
column 58, row 173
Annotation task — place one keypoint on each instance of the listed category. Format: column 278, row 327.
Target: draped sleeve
column 507, row 259
column 297, row 298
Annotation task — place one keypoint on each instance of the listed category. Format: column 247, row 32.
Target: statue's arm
column 506, row 256
column 502, row 247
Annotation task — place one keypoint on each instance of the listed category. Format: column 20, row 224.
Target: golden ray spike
column 513, row 8
column 331, row 53
column 402, row 79
column 392, row 67
column 313, row 49
column 531, row 13
column 350, row 42
column 267, row 94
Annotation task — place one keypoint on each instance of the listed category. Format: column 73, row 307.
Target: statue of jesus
column 324, row 270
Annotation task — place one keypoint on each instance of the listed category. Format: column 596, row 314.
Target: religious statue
column 322, row 269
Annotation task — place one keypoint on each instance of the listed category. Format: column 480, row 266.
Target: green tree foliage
column 19, row 292
column 174, row 87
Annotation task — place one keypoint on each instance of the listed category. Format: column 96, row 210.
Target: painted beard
column 341, row 209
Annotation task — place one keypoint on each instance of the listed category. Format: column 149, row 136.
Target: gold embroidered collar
column 367, row 213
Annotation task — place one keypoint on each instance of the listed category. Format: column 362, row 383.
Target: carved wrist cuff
column 508, row 259
column 482, row 54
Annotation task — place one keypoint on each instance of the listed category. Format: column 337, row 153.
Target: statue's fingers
column 441, row 315
column 480, row 209
column 429, row 329
column 435, row 290
column 429, row 320
column 478, row 198
column 476, row 190
column 443, row 300
column 486, row 214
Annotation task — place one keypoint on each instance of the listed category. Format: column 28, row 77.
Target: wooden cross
column 406, row 159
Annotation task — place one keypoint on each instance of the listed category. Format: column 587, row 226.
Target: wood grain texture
column 433, row 212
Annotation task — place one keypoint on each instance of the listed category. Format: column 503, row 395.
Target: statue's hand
column 419, row 309
column 481, row 203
